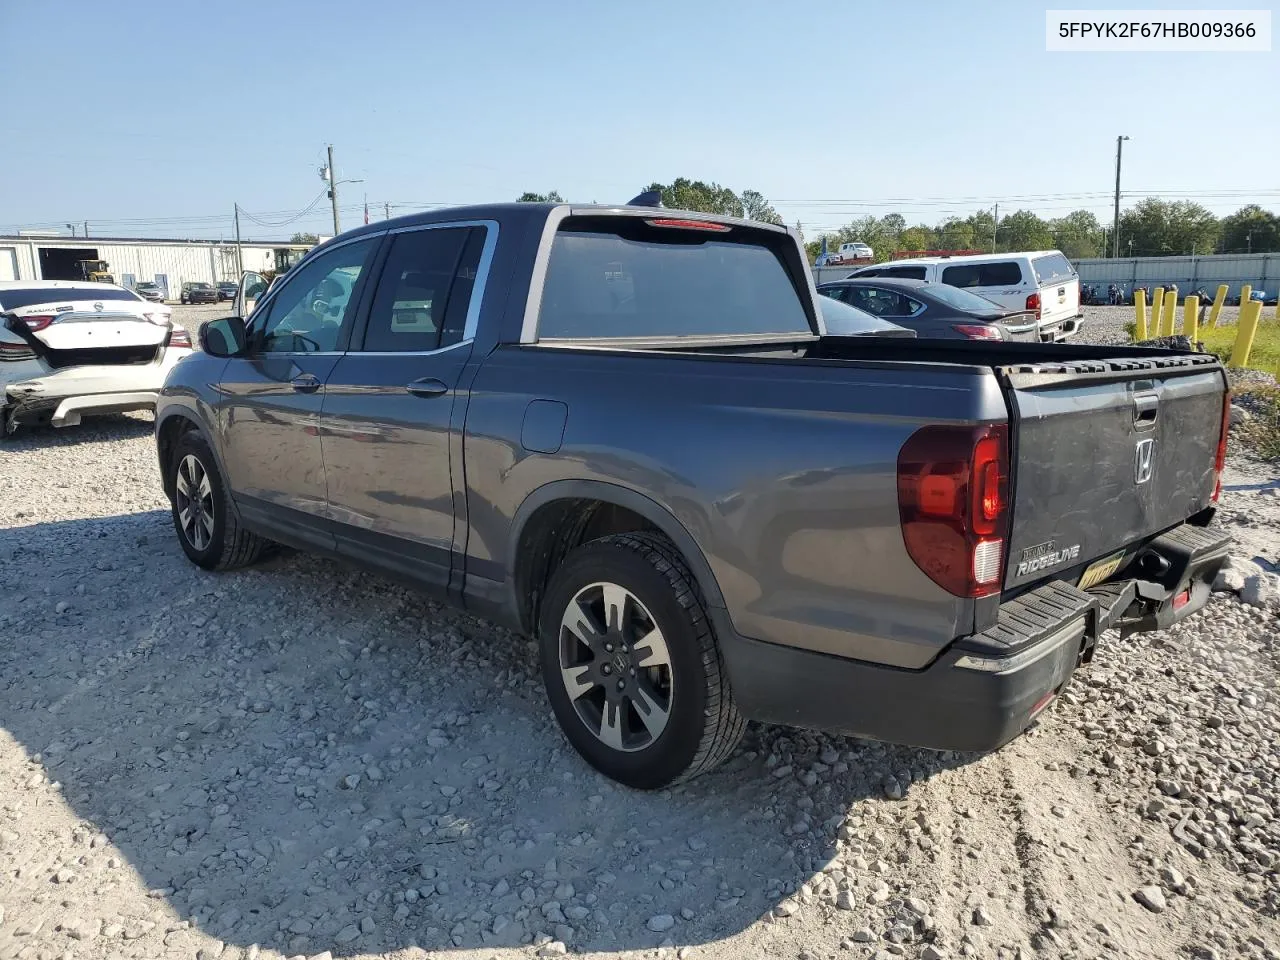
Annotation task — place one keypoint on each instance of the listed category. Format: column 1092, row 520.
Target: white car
column 70, row 347
column 1042, row 282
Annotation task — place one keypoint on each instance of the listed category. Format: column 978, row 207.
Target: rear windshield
column 961, row 299
column 634, row 280
column 1053, row 269
column 1005, row 273
column 18, row 298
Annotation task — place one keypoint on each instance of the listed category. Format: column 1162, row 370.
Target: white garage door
column 8, row 263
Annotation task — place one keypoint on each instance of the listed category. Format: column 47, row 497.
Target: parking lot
column 302, row 759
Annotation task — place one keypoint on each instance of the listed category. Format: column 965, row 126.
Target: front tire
column 631, row 664
column 208, row 529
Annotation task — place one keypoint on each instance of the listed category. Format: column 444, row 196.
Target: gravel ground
column 306, row 760
column 1106, row 324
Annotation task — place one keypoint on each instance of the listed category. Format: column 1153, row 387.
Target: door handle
column 428, row 387
column 307, row 383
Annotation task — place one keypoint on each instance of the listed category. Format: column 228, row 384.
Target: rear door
column 269, row 414
column 393, row 405
column 1107, row 453
column 1059, row 289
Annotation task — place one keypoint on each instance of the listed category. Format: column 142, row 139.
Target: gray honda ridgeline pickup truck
column 627, row 432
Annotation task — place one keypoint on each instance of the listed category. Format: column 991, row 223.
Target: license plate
column 1099, row 570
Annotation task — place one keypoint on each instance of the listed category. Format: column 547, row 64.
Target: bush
column 1131, row 330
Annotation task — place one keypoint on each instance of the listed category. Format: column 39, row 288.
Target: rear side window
column 425, row 289
column 1002, row 273
column 614, row 278
column 906, row 273
column 18, row 298
column 1054, row 268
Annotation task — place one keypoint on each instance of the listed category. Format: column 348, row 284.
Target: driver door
column 269, row 411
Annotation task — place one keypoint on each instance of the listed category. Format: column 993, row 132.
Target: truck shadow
column 310, row 758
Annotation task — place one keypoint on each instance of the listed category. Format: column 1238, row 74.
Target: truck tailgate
column 1107, row 453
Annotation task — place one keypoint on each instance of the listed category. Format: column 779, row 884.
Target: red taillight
column 179, row 338
column 1033, row 303
column 689, row 224
column 1220, row 458
column 38, row 322
column 977, row 331
column 953, row 505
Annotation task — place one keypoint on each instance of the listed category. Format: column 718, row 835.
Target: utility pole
column 1115, row 224
column 387, row 207
column 72, row 228
column 333, row 193
column 995, row 225
column 86, row 228
column 239, row 252
column 1248, row 238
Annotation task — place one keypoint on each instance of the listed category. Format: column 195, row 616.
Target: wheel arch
column 171, row 425
column 562, row 514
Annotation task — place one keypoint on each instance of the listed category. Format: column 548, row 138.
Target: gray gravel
column 306, row 760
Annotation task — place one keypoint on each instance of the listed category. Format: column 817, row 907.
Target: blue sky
column 172, row 111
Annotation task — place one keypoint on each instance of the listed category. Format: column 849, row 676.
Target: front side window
column 309, row 311
column 425, row 290
column 613, row 278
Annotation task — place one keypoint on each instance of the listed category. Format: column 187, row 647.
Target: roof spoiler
column 650, row 198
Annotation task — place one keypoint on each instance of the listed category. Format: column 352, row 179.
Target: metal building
column 167, row 263
column 1260, row 270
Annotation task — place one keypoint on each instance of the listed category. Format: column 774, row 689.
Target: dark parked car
column 198, row 292
column 226, row 291
column 149, row 291
column 935, row 310
column 628, row 432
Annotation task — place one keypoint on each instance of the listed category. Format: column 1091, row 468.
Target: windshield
column 962, row 299
column 18, row 298
column 621, row 277
column 201, row 286
column 844, row 320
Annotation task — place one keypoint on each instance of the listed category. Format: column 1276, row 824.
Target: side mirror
column 224, row 337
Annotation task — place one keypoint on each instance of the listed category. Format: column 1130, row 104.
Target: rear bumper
column 1061, row 329
column 66, row 411
column 983, row 690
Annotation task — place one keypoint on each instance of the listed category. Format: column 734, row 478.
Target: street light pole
column 1115, row 224
column 239, row 252
column 333, row 193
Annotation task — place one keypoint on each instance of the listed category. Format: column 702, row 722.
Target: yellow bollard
column 1140, row 312
column 1166, row 321
column 1247, row 326
column 1246, row 294
column 1218, row 301
column 1191, row 317
column 1157, row 304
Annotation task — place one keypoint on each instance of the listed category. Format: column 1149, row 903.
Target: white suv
column 1043, row 281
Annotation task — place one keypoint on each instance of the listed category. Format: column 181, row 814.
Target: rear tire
column 208, row 529
column 624, row 627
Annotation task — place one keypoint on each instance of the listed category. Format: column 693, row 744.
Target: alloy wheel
column 194, row 502
column 616, row 666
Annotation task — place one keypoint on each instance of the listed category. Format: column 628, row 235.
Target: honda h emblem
column 1145, row 460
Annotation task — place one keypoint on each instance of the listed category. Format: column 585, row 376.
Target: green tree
column 756, row 207
column 1168, row 228
column 685, row 194
column 304, row 238
column 528, row 197
column 1250, row 229
column 1023, row 230
column 1077, row 235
